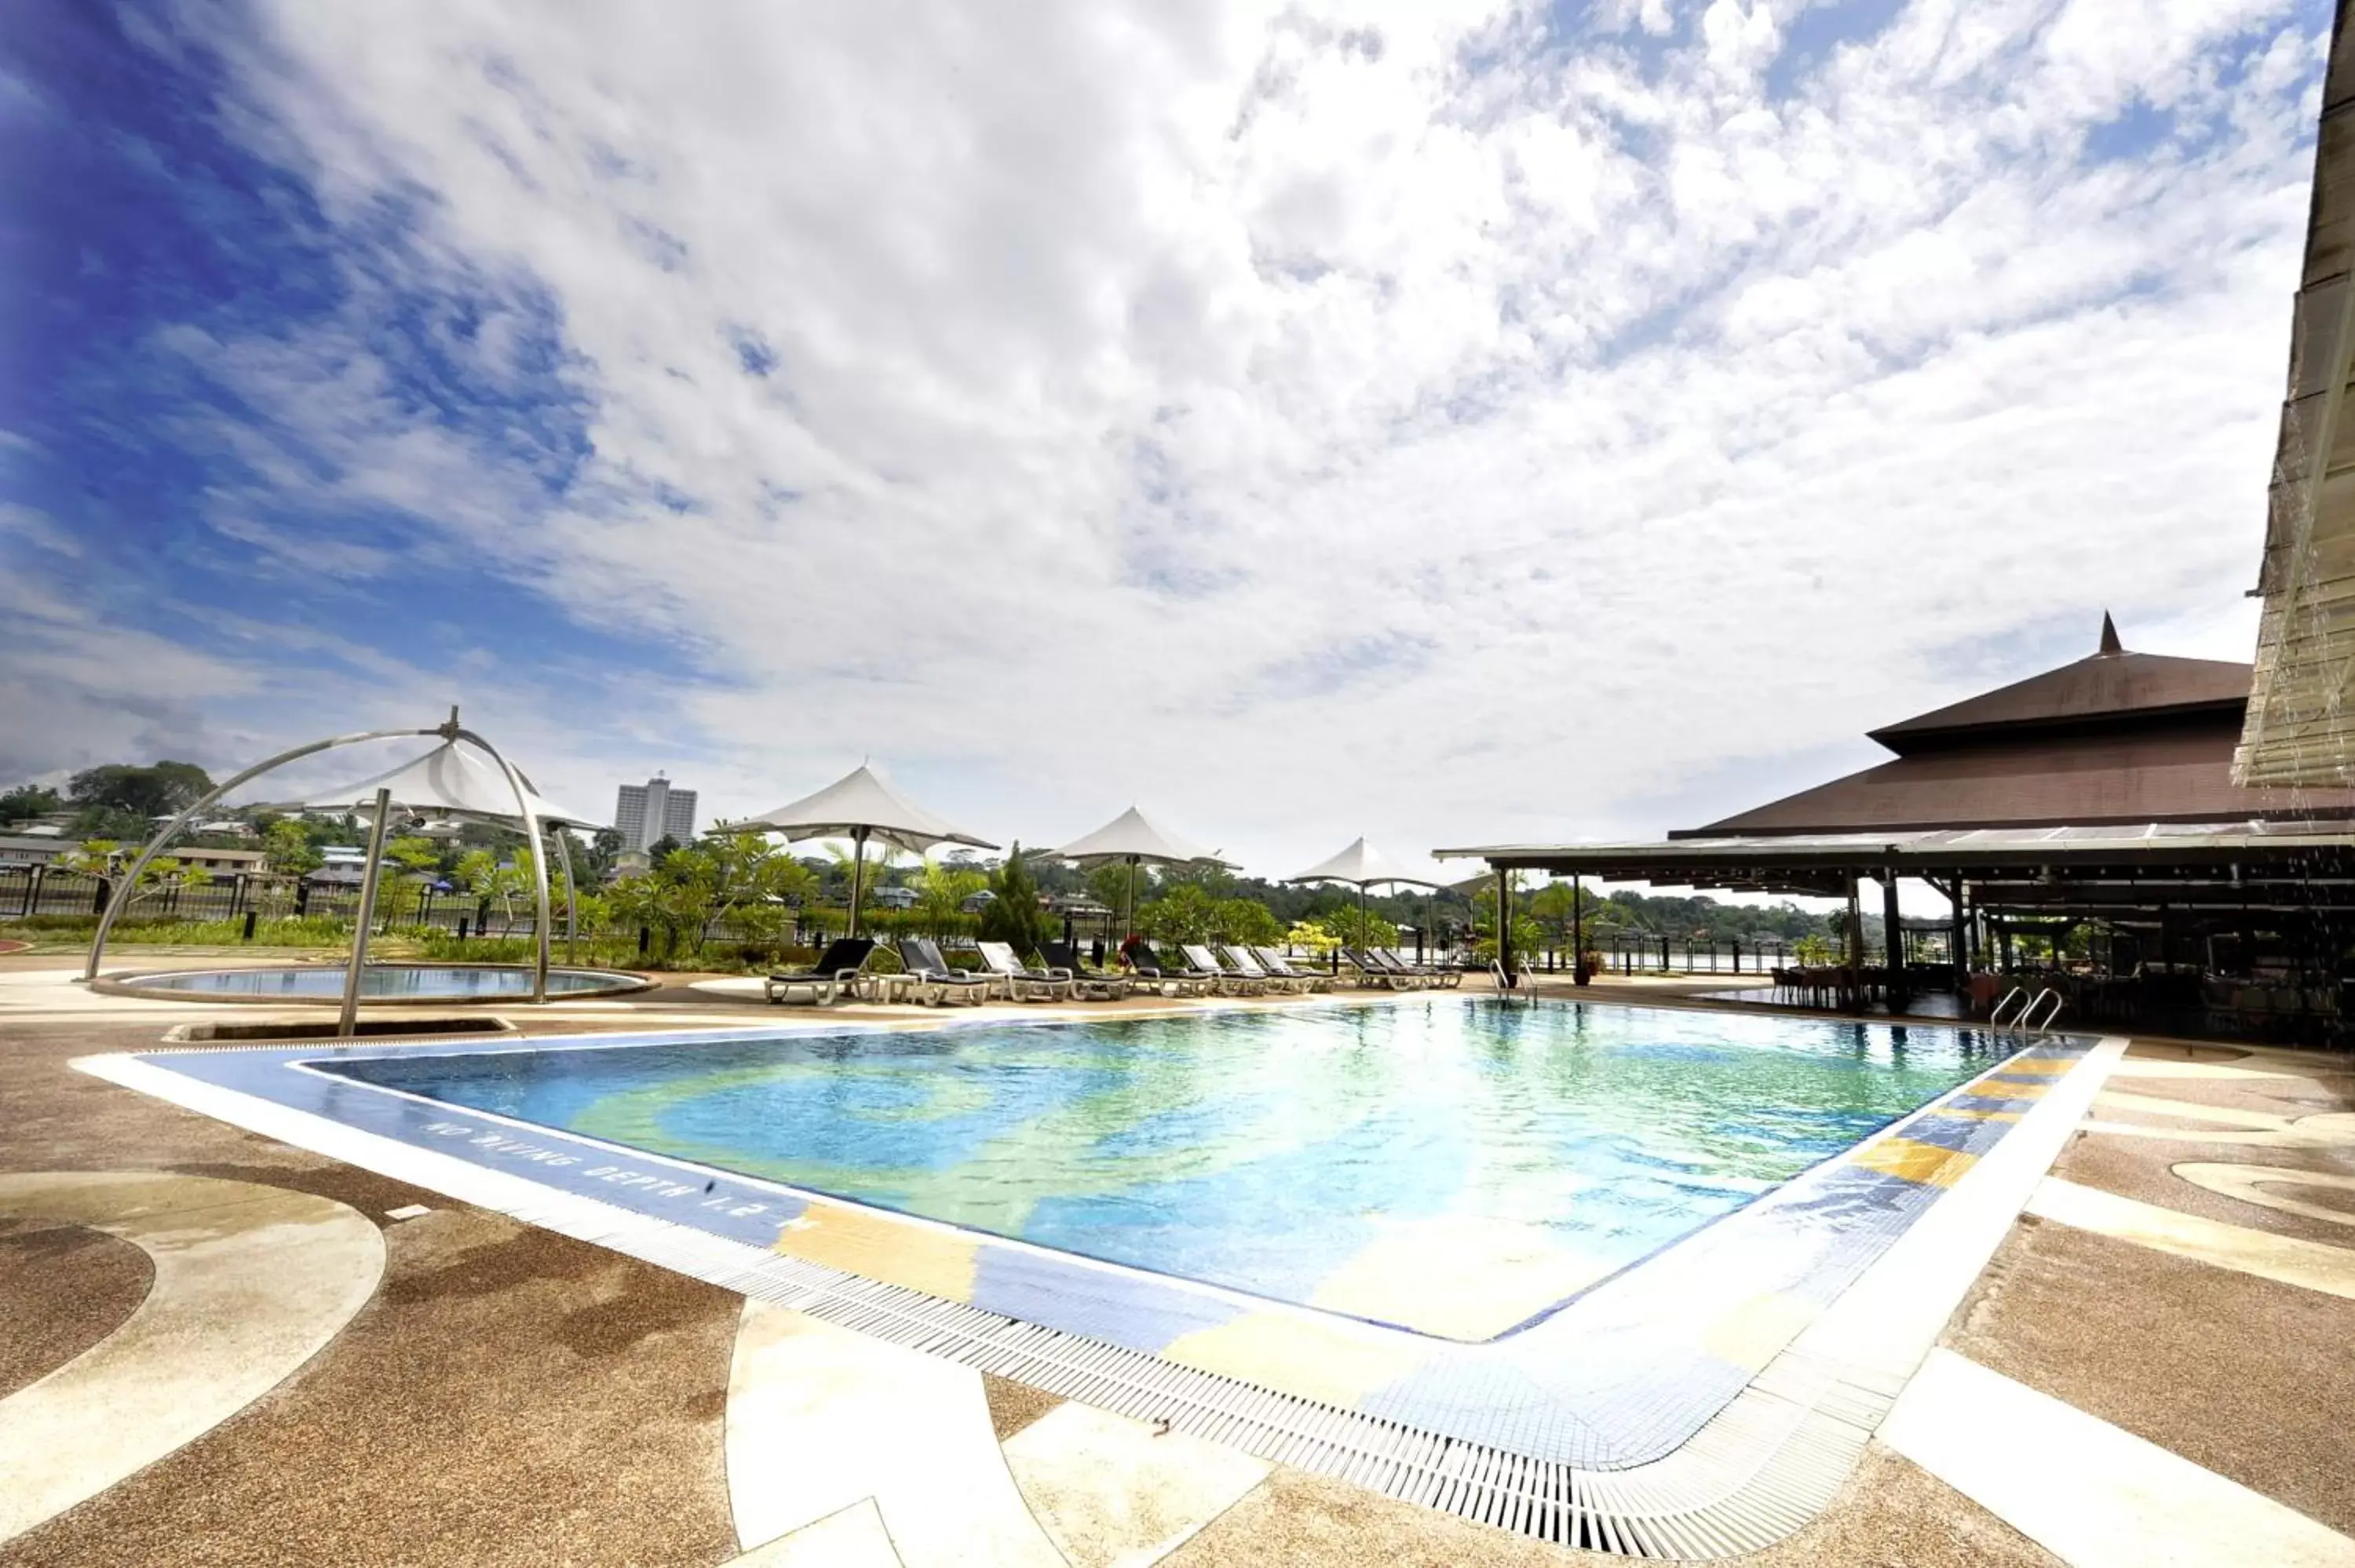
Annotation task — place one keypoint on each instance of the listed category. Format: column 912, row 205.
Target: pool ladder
column 2025, row 1020
column 1506, row 987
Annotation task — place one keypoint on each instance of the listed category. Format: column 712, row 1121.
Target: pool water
column 378, row 982
column 1478, row 1163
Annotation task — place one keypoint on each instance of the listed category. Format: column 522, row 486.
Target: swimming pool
column 1453, row 1167
column 319, row 983
column 1386, row 1238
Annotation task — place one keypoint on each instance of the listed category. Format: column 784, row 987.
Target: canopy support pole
column 130, row 880
column 571, row 898
column 858, row 874
column 348, row 1021
column 530, row 838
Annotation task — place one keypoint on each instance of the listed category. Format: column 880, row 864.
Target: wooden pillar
column 1852, row 975
column 1505, row 923
column 1855, row 958
column 1577, row 932
column 1901, row 986
column 1961, row 941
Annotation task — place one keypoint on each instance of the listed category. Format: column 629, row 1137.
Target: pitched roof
column 2172, row 775
column 2100, row 686
column 2115, row 736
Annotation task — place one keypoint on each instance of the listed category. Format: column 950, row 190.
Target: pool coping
column 126, row 983
column 1755, row 1469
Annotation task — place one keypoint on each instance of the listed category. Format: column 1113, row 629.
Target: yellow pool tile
column 2005, row 1086
column 1756, row 1333
column 1923, row 1162
column 1336, row 1364
column 2055, row 1066
column 1459, row 1276
column 880, row 1246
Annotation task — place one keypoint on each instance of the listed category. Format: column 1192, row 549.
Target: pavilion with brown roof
column 2100, row 791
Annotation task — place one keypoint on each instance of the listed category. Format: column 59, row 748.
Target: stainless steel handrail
column 2016, row 993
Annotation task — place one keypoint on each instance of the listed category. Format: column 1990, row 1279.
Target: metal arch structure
column 448, row 730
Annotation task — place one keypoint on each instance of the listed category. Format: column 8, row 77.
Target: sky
column 1462, row 423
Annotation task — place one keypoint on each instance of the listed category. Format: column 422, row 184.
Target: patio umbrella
column 1362, row 866
column 861, row 806
column 1131, row 840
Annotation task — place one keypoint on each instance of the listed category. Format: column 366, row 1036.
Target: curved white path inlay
column 845, row 1451
column 250, row 1282
column 2248, row 1183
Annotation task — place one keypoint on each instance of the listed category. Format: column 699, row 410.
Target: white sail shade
column 451, row 780
column 861, row 805
column 1359, row 865
column 1132, row 839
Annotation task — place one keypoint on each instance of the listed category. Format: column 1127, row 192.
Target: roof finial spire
column 2110, row 643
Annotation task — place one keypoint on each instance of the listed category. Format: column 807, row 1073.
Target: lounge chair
column 1388, row 959
column 1276, row 964
column 1243, row 963
column 1231, row 982
column 930, row 979
column 1210, row 976
column 1148, row 974
column 1023, row 983
column 1087, row 984
column 1373, row 974
column 1437, row 974
column 835, row 975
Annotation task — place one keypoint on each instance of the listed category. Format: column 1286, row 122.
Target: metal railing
column 2025, row 1020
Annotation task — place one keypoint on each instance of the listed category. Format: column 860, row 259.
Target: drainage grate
column 378, row 1028
column 1759, row 1470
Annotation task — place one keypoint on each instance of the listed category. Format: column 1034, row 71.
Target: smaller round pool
column 394, row 984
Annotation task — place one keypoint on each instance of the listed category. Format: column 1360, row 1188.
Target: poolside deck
column 2158, row 1329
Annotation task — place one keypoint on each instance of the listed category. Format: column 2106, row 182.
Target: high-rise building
column 648, row 813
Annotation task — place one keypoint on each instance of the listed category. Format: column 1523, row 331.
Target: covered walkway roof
column 2308, row 864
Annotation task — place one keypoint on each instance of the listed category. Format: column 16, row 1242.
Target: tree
column 1354, row 928
column 1312, row 936
column 1108, row 885
column 1554, row 908
column 1013, row 915
column 740, row 879
column 287, row 848
column 942, row 889
column 417, row 861
column 1525, row 937
column 95, row 858
column 160, row 790
column 481, row 873
column 1185, row 913
column 660, row 904
column 605, row 847
column 29, row 801
column 1245, row 920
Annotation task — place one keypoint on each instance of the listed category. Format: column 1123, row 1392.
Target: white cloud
column 1269, row 416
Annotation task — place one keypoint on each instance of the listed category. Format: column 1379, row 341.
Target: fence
column 26, row 891
column 1637, row 953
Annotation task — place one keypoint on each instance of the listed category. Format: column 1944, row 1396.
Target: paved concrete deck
column 509, row 1395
